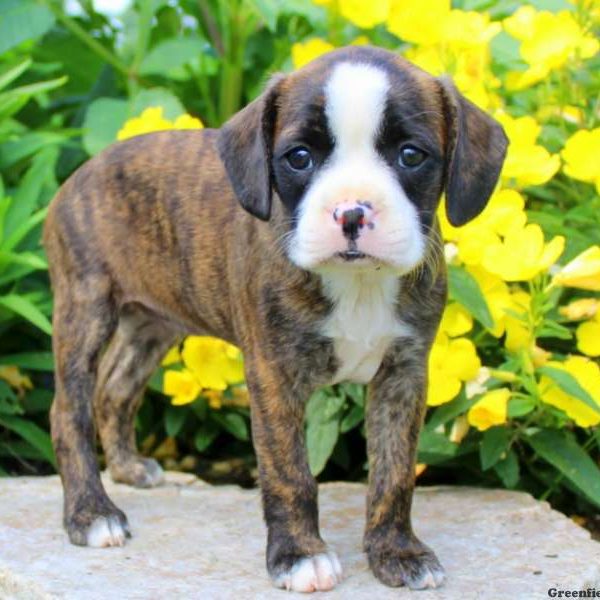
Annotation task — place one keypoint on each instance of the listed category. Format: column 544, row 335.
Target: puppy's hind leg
column 139, row 343
column 84, row 320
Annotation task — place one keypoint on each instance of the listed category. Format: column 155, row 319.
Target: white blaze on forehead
column 355, row 98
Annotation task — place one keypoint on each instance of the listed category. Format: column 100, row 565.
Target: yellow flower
column 468, row 28
column 526, row 162
column 548, row 42
column 187, row 122
column 582, row 156
column 505, row 211
column 584, row 308
column 364, row 14
column 518, row 333
column 571, row 114
column 520, row 23
column 582, row 272
column 214, row 362
column 455, row 42
column 305, row 52
column 539, row 356
column 522, row 254
column 496, row 294
column 555, row 38
column 418, row 22
column 214, row 397
column 490, row 409
column 450, row 363
column 456, row 320
column 587, row 374
column 11, row 374
column 588, row 337
column 171, row 357
column 181, row 385
column 152, row 119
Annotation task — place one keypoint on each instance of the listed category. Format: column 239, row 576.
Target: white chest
column 363, row 322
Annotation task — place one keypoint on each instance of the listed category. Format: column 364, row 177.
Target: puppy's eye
column 299, row 159
column 411, row 157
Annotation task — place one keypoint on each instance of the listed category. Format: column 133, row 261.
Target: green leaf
column 435, row 448
column 205, row 435
column 508, row 469
column 22, row 20
column 38, row 400
column 155, row 383
column 493, row 445
column 321, row 438
column 103, row 119
column 269, row 11
column 13, row 73
column 447, row 412
column 232, row 422
column 15, row 150
column 25, row 308
column 554, row 330
column 172, row 107
column 28, row 259
column 39, row 184
column 356, row 392
column 323, row 405
column 30, row 432
column 567, row 383
column 170, row 54
column 565, row 454
column 352, row 418
column 31, row 89
column 519, row 407
column 9, row 403
column 34, row 361
column 174, row 419
column 20, row 448
column 21, row 230
column 463, row 288
column 323, row 426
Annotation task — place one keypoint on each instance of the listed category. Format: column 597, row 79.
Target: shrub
column 514, row 378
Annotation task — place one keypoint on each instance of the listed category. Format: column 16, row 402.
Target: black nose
column 352, row 220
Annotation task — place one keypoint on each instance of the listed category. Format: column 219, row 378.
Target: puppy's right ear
column 245, row 146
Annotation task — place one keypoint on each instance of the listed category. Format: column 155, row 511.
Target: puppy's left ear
column 476, row 148
column 245, row 145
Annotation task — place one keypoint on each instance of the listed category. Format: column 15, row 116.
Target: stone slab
column 195, row 541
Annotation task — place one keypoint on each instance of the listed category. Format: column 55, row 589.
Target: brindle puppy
column 334, row 271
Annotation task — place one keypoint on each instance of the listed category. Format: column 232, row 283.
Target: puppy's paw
column 98, row 527
column 317, row 573
column 138, row 472
column 107, row 531
column 417, row 567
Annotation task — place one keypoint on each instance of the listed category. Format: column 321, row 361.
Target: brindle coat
column 147, row 243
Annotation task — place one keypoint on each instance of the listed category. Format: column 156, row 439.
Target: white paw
column 106, row 531
column 430, row 577
column 314, row 573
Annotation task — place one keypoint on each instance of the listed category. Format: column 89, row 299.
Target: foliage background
column 515, row 382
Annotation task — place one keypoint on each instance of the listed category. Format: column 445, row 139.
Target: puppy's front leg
column 297, row 557
column 395, row 409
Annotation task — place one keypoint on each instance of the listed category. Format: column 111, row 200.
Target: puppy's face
column 359, row 146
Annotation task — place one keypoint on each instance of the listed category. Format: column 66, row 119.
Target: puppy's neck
column 364, row 320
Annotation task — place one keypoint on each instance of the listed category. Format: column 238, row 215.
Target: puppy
column 304, row 232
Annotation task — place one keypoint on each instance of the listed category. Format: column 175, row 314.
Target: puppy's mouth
column 352, row 255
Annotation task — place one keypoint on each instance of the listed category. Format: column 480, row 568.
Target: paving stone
column 196, row 541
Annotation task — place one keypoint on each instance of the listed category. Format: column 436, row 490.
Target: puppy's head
column 357, row 149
